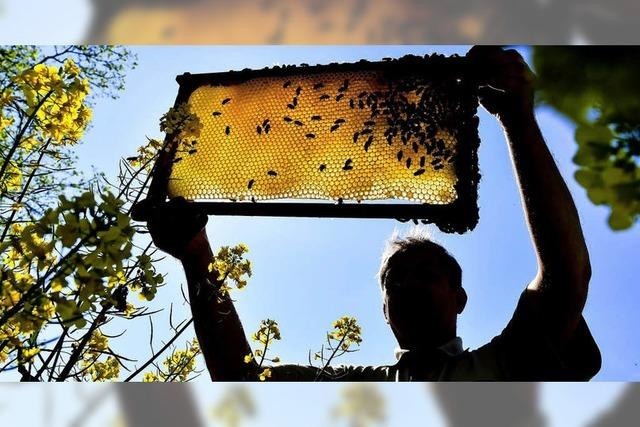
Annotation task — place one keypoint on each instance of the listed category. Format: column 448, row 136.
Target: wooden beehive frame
column 450, row 73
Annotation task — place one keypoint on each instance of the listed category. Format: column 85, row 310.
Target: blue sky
column 308, row 272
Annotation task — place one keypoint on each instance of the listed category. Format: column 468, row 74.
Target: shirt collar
column 452, row 347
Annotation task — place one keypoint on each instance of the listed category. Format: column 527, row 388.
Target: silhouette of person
column 547, row 339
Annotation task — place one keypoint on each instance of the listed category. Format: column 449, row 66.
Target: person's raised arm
column 178, row 229
column 560, row 286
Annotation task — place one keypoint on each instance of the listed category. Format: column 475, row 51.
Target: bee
column 362, row 94
column 368, row 143
column 344, row 86
column 193, row 151
column 389, row 139
column 298, row 123
column 227, row 130
column 436, row 161
column 316, row 117
column 366, row 131
column 339, row 121
column 340, row 200
column 259, row 130
column 414, row 145
column 272, row 173
column 418, row 172
column 438, row 167
column 318, row 86
column 369, row 123
column 265, row 122
column 250, row 183
column 422, row 159
column 177, row 159
column 429, row 148
column 408, row 162
column 355, row 137
column 361, row 104
column 347, row 165
column 216, row 113
column 334, row 128
column 267, row 128
column 310, row 135
column 339, row 97
column 286, row 84
column 291, row 106
column 253, row 199
column 322, row 167
column 294, row 101
column 323, row 97
column 431, row 131
column 298, row 90
column 399, row 155
column 352, row 103
column 226, row 101
column 287, row 119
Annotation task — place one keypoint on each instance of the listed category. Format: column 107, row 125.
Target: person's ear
column 461, row 299
column 385, row 310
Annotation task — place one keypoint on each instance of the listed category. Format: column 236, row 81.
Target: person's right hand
column 506, row 81
column 174, row 225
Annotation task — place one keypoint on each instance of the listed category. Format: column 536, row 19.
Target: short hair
column 418, row 239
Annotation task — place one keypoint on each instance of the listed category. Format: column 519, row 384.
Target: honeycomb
column 338, row 136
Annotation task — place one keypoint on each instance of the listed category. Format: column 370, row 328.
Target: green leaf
column 620, row 220
column 66, row 308
column 598, row 196
column 589, row 156
column 588, row 178
column 613, row 175
column 597, row 134
column 67, row 234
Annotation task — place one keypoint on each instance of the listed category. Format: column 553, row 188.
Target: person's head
column 422, row 290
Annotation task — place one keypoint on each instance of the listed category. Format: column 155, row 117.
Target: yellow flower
column 70, row 68
column 103, row 371
column 6, row 97
column 12, row 179
column 57, row 285
column 28, row 353
column 5, row 122
column 129, row 310
column 248, row 358
column 10, row 297
column 266, row 373
column 98, row 343
column 150, row 377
